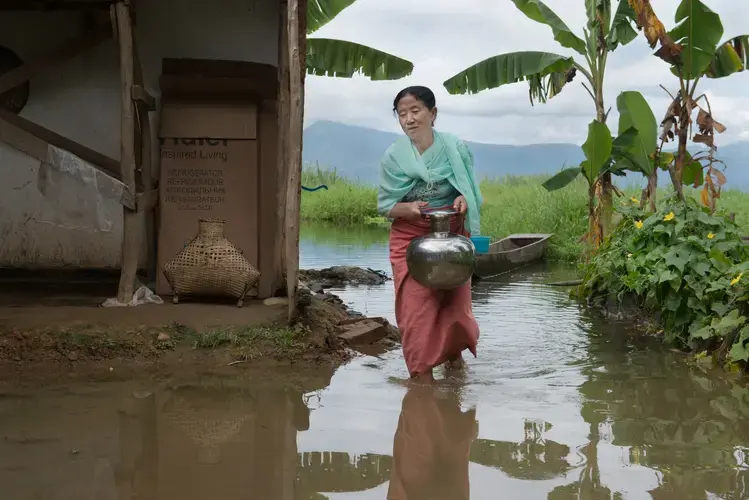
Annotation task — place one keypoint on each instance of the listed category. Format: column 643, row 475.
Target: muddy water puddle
column 558, row 405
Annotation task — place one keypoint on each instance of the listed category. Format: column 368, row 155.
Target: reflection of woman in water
column 432, row 446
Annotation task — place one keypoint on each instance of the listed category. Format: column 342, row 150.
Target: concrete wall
column 75, row 225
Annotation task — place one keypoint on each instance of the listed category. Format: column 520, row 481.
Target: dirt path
column 80, row 340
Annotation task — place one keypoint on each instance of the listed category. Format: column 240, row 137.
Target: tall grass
column 513, row 204
column 522, row 205
column 314, row 175
column 344, row 202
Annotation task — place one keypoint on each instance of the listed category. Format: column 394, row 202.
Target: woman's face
column 415, row 119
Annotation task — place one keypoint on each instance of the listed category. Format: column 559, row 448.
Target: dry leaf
column 704, row 139
column 704, row 197
column 720, row 177
column 670, row 120
column 706, row 123
column 655, row 31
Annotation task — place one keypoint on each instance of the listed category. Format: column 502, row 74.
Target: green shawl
column 402, row 165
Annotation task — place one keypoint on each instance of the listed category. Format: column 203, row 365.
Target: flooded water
column 558, row 405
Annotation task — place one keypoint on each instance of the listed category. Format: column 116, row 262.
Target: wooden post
column 283, row 135
column 146, row 166
column 293, row 184
column 138, row 466
column 127, row 150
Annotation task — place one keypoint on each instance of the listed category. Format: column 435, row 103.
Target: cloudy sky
column 443, row 37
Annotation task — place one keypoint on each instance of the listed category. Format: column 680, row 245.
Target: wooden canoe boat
column 509, row 253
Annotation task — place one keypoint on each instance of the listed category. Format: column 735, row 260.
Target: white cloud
column 443, row 37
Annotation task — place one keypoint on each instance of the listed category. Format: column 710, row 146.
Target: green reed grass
column 344, row 202
column 522, row 205
column 513, row 204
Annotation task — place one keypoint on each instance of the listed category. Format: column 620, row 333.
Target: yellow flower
column 710, row 236
column 629, row 255
column 736, row 279
column 669, row 216
column 634, row 200
column 638, row 224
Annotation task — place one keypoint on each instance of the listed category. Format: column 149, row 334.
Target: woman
column 428, row 169
column 432, row 447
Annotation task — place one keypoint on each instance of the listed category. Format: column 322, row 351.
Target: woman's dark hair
column 424, row 94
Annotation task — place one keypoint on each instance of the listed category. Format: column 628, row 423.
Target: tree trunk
column 607, row 190
column 677, row 173
column 593, row 223
column 649, row 192
column 130, row 235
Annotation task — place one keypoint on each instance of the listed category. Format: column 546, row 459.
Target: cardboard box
column 209, row 168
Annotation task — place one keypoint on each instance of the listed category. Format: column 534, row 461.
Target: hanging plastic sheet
column 76, row 194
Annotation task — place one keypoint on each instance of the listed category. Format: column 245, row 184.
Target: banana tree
column 605, row 155
column 547, row 73
column 339, row 58
column 694, row 51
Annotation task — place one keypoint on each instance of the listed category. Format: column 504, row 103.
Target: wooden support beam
column 21, row 132
column 283, row 129
column 146, row 201
column 141, row 96
column 37, row 142
column 130, row 247
column 63, row 52
column 29, row 5
column 293, row 185
column 144, row 103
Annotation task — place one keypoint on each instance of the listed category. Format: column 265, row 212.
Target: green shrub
column 685, row 266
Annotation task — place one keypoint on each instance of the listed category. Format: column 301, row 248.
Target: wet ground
column 558, row 405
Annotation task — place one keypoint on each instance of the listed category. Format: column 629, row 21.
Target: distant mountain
column 355, row 153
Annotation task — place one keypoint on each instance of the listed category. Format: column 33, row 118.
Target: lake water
column 559, row 404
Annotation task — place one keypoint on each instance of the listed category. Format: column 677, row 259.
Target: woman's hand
column 461, row 205
column 409, row 211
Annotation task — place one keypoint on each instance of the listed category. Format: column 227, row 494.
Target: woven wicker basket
column 211, row 266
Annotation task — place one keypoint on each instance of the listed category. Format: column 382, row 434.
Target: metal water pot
column 441, row 260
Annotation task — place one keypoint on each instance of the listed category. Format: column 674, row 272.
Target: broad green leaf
column 585, row 169
column 321, row 12
column 622, row 159
column 667, row 275
column 731, row 57
column 673, row 301
column 719, row 260
column 696, row 304
column 729, row 323
column 665, row 159
column 698, row 31
column 634, row 112
column 705, row 333
column 693, row 175
column 597, row 149
column 622, row 32
column 719, row 308
column 625, row 140
column 700, row 267
column 546, row 74
column 562, row 179
column 677, row 258
column 739, row 352
column 327, row 57
column 539, row 12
